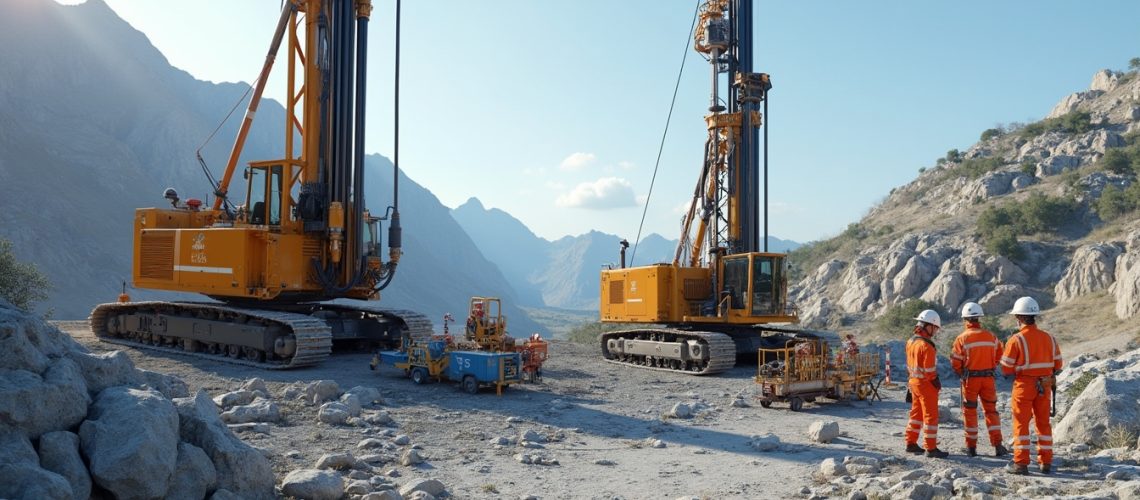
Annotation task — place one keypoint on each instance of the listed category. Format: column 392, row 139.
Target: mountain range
column 562, row 273
column 1046, row 209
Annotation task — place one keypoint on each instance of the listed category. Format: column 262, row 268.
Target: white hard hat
column 1026, row 306
column 930, row 316
column 972, row 310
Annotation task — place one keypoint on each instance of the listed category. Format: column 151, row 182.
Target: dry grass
column 1119, row 436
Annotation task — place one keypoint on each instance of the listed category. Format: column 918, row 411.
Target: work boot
column 914, row 448
column 1021, row 470
column 1046, row 468
column 1000, row 451
column 936, row 453
column 971, row 452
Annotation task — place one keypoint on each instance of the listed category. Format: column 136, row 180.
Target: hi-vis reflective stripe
column 916, row 423
column 1024, row 351
column 204, row 269
column 1045, row 438
column 993, row 428
column 972, row 345
column 1035, row 365
column 1007, row 361
column 1044, row 447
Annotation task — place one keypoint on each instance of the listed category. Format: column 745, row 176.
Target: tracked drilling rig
column 303, row 235
column 723, row 294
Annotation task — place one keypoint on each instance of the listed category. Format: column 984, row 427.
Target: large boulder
column 1127, row 286
column 130, row 440
column 914, row 277
column 20, row 473
column 313, row 484
column 28, row 342
column 1093, row 269
column 241, row 469
column 59, row 453
column 948, row 289
column 261, row 410
column 106, row 370
column 1000, row 300
column 234, row 398
column 1108, row 401
column 1104, row 80
column 823, row 432
column 367, row 396
column 194, row 474
column 333, row 413
column 35, row 404
column 169, row 385
column 321, row 390
column 430, row 486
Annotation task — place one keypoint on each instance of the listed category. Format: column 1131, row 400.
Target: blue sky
column 552, row 110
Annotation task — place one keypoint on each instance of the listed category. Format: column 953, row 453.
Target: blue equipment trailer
column 472, row 369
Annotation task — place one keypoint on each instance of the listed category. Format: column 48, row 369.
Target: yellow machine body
column 753, row 292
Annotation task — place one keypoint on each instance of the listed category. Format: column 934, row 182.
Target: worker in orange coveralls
column 1035, row 358
column 975, row 356
column 922, row 367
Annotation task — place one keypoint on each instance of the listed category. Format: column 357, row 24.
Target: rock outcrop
column 133, row 440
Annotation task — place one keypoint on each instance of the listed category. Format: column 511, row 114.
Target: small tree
column 1117, row 161
column 20, row 282
column 1112, row 203
column 990, row 133
column 1134, row 63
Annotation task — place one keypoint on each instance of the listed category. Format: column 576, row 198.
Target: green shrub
column 1028, row 167
column 21, row 283
column 1115, row 202
column 953, row 155
column 1116, row 160
column 1000, row 226
column 977, row 167
column 899, row 320
column 1041, row 213
column 1078, row 386
column 1134, row 64
column 807, row 257
column 1075, row 122
column 990, row 133
column 1112, row 204
column 1003, row 241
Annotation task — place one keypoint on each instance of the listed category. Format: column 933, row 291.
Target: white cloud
column 683, row 207
column 604, row 193
column 577, row 161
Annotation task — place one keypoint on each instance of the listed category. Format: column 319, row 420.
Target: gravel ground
column 600, row 422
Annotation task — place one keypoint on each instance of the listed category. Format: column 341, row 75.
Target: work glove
column 909, row 398
column 937, row 383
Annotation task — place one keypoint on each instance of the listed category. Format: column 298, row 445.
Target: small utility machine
column 804, row 370
column 436, row 360
column 484, row 356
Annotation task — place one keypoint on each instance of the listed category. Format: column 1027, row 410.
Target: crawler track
column 721, row 349
column 240, row 335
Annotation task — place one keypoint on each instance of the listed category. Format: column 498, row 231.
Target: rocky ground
column 597, row 430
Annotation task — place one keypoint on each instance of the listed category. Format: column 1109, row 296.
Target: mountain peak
column 472, row 203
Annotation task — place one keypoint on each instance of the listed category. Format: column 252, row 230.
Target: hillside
column 561, row 273
column 1044, row 209
column 90, row 131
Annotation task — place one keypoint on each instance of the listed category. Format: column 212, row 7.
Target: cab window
column 736, row 281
